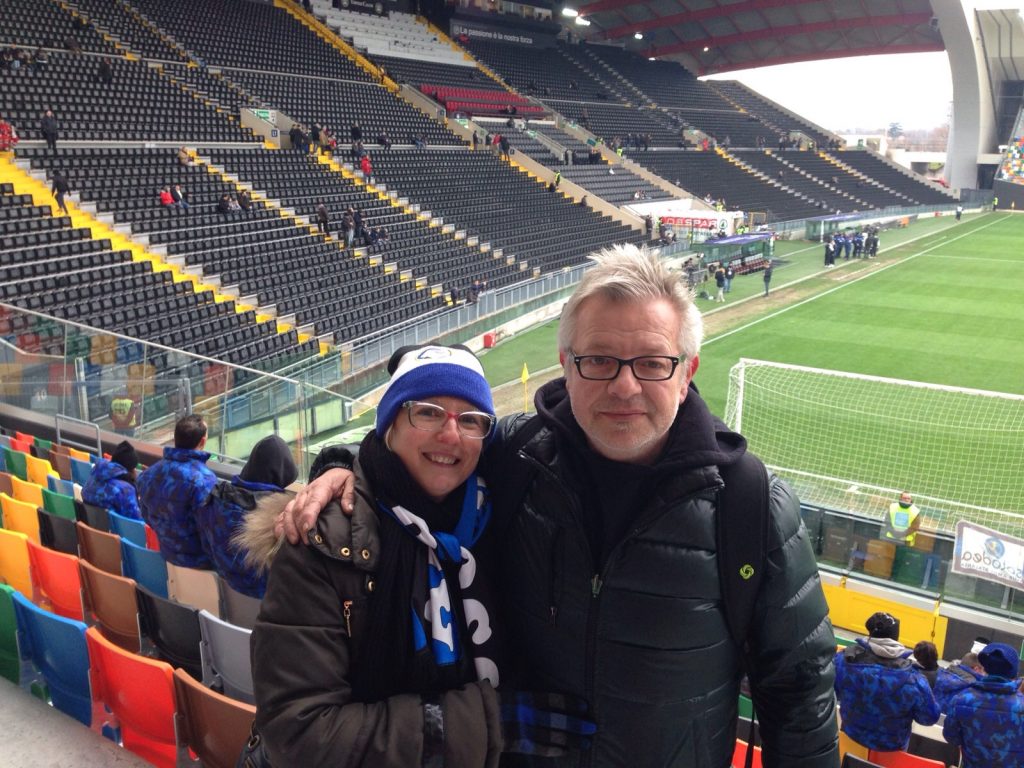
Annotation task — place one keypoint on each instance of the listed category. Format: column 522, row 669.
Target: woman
column 367, row 660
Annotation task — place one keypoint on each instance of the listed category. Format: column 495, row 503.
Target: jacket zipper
column 346, row 611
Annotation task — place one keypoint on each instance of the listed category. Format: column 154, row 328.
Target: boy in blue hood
column 987, row 719
column 269, row 470
column 112, row 482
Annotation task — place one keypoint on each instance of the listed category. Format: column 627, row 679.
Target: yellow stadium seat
column 20, row 516
column 30, row 493
column 14, row 564
column 80, row 455
column 38, row 470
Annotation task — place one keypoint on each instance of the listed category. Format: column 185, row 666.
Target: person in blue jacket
column 986, row 720
column 112, row 482
column 269, row 470
column 880, row 691
column 173, row 489
column 955, row 678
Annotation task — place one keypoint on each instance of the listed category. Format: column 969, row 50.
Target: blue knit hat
column 433, row 371
column 1000, row 659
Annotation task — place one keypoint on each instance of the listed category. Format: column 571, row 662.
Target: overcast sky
column 913, row 89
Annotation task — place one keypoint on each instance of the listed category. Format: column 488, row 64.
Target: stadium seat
column 194, row 587
column 172, row 629
column 213, row 726
column 10, row 660
column 59, row 504
column 6, row 486
column 849, row 746
column 78, row 455
column 127, row 528
column 93, row 516
column 739, row 755
column 58, row 584
column 27, row 491
column 58, row 533
column 14, row 563
column 139, row 693
column 15, row 464
column 56, row 648
column 24, row 437
column 109, row 602
column 80, row 471
column 38, row 470
column 902, row 760
column 236, row 608
column 101, row 549
column 225, row 655
column 152, row 541
column 20, row 516
column 850, row 760
column 148, row 568
column 21, row 446
column 62, row 464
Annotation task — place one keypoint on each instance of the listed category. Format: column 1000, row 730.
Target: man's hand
column 299, row 517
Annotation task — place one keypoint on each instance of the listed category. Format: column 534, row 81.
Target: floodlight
column 638, row 35
column 581, row 22
column 572, row 13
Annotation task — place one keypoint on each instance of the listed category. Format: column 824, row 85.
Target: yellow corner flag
column 525, row 377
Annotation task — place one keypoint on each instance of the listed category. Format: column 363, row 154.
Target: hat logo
column 434, row 353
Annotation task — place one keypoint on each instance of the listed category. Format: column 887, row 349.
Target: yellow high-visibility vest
column 898, row 525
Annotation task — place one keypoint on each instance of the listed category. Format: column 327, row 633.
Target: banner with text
column 503, row 33
column 987, row 554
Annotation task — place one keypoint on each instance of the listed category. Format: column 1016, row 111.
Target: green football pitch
column 943, row 304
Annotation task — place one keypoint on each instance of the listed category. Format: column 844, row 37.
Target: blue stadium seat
column 57, row 485
column 146, row 566
column 80, row 471
column 127, row 528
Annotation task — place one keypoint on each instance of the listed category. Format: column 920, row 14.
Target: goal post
column 853, row 442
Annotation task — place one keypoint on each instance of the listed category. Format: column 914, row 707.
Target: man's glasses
column 475, row 425
column 645, row 367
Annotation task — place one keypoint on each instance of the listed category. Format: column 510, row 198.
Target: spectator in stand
column 356, row 132
column 357, row 224
column 880, row 691
column 956, row 678
column 366, row 167
column 8, row 136
column 179, row 196
column 49, row 127
column 184, row 159
column 245, row 200
column 384, row 140
column 60, row 188
column 224, row 204
column 348, row 227
column 504, row 146
column 72, row 44
column 987, row 719
column 233, row 204
column 111, row 483
column 269, row 470
column 418, row 141
column 383, row 240
column 166, row 198
column 299, row 141
column 173, row 489
column 105, row 75
column 926, row 656
column 40, row 59
column 475, row 141
column 357, row 150
column 322, row 218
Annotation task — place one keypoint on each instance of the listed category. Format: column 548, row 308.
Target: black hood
column 697, row 437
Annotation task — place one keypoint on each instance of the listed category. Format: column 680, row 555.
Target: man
column 604, row 546
column 173, row 489
column 767, row 277
column 49, row 127
column 111, row 484
column 61, row 188
column 903, row 522
column 730, row 273
column 322, row 218
column 124, row 413
column 987, row 719
column 881, row 693
column 955, row 678
column 959, row 211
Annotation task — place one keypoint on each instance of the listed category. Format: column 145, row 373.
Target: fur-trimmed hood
column 256, row 538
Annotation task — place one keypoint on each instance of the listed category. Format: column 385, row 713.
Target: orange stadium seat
column 57, row 582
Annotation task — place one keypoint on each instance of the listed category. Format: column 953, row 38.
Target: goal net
column 852, row 442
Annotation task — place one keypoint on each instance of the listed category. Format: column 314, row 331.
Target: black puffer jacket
column 644, row 638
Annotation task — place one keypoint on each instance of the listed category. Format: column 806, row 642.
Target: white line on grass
column 845, row 285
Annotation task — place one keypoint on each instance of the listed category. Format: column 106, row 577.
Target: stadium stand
column 611, row 121
column 771, row 115
column 900, row 181
column 825, row 167
column 613, row 183
column 830, row 198
column 128, row 29
column 477, row 191
column 524, row 141
column 31, row 24
column 441, row 74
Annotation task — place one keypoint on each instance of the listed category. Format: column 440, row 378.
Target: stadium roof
column 710, row 36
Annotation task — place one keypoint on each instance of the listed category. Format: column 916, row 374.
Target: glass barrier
column 852, row 545
column 141, row 389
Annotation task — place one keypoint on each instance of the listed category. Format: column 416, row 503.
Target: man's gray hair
column 627, row 273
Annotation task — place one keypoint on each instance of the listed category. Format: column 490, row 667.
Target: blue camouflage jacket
column 986, row 720
column 949, row 682
column 219, row 519
column 879, row 697
column 109, row 487
column 170, row 493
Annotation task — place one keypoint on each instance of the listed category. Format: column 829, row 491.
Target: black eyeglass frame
column 492, row 419
column 675, row 361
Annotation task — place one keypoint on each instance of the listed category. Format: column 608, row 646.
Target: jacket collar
column 185, row 454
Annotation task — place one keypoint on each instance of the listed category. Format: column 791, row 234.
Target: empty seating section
column 666, row 83
column 614, row 184
column 442, row 74
column 475, row 101
column 611, row 121
column 709, row 173
column 546, row 73
column 119, row 19
column 899, row 181
column 236, row 33
column 560, row 136
column 31, row 23
column 138, row 104
column 738, row 94
column 213, row 87
column 477, row 191
column 727, row 126
column 340, row 294
column 47, row 266
column 871, row 191
column 338, row 105
column 399, row 35
column 523, row 141
column 828, row 197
